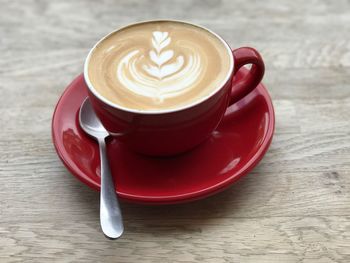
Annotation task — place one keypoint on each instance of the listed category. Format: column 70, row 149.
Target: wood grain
column 277, row 239
column 293, row 207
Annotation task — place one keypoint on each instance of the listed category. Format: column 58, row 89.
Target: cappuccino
column 159, row 65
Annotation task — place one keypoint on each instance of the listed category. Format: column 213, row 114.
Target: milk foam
column 162, row 73
column 158, row 65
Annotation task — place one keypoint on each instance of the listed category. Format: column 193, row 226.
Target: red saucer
column 235, row 148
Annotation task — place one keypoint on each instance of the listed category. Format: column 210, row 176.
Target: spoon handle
column 110, row 213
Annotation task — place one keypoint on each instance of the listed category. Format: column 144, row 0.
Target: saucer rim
column 171, row 199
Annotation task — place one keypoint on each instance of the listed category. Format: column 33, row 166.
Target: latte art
column 160, row 57
column 162, row 74
column 158, row 65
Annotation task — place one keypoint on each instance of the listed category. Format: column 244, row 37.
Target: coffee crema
column 159, row 65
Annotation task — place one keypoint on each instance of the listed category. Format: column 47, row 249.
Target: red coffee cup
column 170, row 132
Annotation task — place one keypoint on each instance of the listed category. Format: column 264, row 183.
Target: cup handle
column 243, row 56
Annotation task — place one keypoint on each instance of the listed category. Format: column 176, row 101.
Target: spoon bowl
column 89, row 122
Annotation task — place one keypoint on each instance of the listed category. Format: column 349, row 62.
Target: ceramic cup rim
column 163, row 111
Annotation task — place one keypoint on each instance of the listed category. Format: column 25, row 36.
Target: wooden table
column 294, row 207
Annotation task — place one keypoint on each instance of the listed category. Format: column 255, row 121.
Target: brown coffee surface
column 159, row 65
